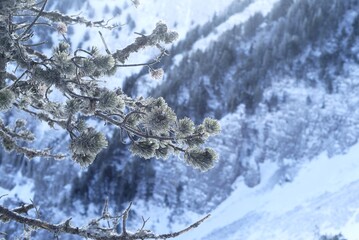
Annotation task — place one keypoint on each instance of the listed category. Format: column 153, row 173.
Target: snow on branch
column 94, row 229
column 151, row 126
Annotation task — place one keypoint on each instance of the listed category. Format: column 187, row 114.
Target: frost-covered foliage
column 64, row 89
column 7, row 98
column 149, row 123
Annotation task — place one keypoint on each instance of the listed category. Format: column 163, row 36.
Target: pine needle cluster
column 87, row 145
column 7, row 98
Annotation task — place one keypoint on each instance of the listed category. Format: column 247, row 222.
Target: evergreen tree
column 149, row 124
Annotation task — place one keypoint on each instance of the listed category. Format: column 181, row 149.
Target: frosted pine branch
column 151, row 127
column 150, row 124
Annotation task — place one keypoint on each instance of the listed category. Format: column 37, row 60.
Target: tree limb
column 87, row 232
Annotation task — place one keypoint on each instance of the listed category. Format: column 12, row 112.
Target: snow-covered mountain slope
column 181, row 16
column 296, row 92
column 260, row 6
column 322, row 199
column 301, row 163
column 283, row 78
column 290, row 77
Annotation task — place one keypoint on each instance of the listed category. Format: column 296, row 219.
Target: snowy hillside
column 293, row 91
column 322, row 199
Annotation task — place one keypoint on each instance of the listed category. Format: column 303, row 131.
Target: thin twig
column 34, row 21
column 157, row 60
column 81, row 96
column 36, row 209
column 124, row 219
column 35, row 44
column 104, row 43
column 22, row 25
column 65, row 38
column 82, row 50
column 176, row 234
column 3, row 196
column 18, row 79
column 129, row 115
column 105, row 212
column 144, row 222
column 176, row 148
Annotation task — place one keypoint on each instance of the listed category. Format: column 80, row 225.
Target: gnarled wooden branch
column 90, row 231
